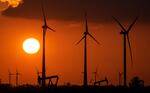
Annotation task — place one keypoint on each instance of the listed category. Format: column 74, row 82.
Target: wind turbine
column 85, row 49
column 44, row 27
column 125, row 33
column 17, row 77
column 38, row 72
column 9, row 76
column 38, row 75
column 95, row 74
column 120, row 75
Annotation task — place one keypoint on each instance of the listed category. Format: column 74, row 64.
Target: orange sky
column 64, row 58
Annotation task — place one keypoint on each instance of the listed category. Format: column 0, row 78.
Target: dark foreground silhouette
column 5, row 88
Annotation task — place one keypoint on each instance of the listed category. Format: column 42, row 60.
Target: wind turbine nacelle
column 85, row 33
column 123, row 32
column 44, row 26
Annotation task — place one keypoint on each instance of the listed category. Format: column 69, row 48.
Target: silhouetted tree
column 136, row 82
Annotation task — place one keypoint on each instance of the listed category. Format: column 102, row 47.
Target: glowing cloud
column 4, row 4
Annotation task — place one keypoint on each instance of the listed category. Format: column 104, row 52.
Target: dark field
column 73, row 89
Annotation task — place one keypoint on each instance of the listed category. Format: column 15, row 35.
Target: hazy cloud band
column 98, row 10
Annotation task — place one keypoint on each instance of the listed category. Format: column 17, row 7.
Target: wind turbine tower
column 125, row 33
column 9, row 76
column 44, row 27
column 85, row 49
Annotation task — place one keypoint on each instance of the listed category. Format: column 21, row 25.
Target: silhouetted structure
column 85, row 49
column 99, row 82
column 45, row 27
column 125, row 34
column 50, row 80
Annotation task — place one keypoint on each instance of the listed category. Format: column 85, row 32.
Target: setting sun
column 31, row 45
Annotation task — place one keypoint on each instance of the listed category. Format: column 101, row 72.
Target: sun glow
column 12, row 3
column 31, row 45
column 5, row 4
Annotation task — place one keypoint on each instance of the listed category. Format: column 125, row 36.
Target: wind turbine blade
column 119, row 23
column 96, row 70
column 86, row 22
column 80, row 40
column 130, row 50
column 43, row 12
column 132, row 24
column 16, row 70
column 36, row 69
column 51, row 29
column 119, row 74
column 93, row 38
column 9, row 72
